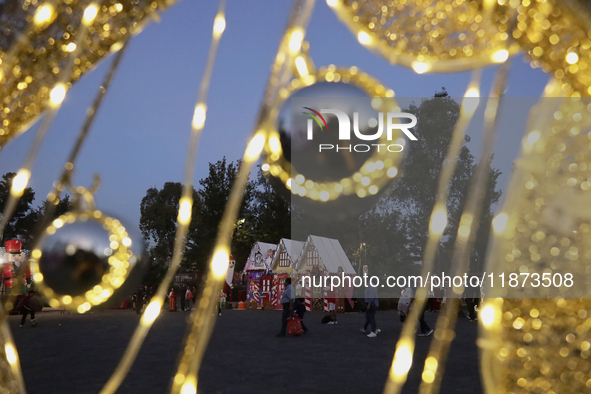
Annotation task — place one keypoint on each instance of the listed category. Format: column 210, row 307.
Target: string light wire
column 467, row 230
column 184, row 217
column 402, row 360
column 203, row 318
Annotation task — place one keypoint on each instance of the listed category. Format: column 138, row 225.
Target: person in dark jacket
column 26, row 307
column 300, row 308
column 182, row 292
column 139, row 300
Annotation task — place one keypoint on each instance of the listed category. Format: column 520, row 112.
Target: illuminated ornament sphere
column 306, row 151
column 84, row 259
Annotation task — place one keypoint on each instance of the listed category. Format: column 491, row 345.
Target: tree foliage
column 264, row 215
column 25, row 224
column 23, row 208
column 410, row 200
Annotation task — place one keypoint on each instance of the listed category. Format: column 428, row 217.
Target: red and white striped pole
column 255, row 293
column 324, row 300
column 308, row 296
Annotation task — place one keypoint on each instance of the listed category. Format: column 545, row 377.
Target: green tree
column 414, row 194
column 158, row 223
column 32, row 224
column 271, row 210
column 214, row 194
column 23, row 208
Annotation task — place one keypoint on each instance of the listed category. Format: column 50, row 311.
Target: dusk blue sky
column 140, row 135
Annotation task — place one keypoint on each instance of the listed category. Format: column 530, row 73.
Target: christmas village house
column 259, row 277
column 288, row 252
column 325, row 257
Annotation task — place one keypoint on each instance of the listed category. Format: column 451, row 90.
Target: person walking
column 172, row 299
column 371, row 307
column 182, row 297
column 139, row 300
column 26, row 308
column 189, row 297
column 331, row 301
column 287, row 300
column 424, row 329
column 300, row 309
column 221, row 300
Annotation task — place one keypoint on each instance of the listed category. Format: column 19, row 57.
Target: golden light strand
column 183, row 219
column 66, row 174
column 405, row 347
column 467, row 230
column 10, row 354
column 203, row 318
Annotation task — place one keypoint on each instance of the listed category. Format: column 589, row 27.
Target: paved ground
column 76, row 354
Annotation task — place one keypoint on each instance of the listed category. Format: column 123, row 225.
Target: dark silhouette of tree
column 23, row 208
column 158, row 222
column 415, row 193
column 214, row 193
column 271, row 210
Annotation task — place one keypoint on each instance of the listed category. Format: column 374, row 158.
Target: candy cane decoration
column 275, row 294
column 308, row 295
column 324, row 300
column 255, row 293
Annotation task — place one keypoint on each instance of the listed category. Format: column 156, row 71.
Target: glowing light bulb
column 219, row 263
column 420, row 67
column 10, row 353
column 402, row 361
column 487, row 315
column 275, row 144
column 185, row 207
column 255, row 146
column 500, row 222
column 295, row 40
column 20, row 182
column 471, row 100
column 301, row 66
column 90, row 13
column 43, row 14
column 71, row 47
column 438, row 219
column 219, row 25
column 363, row 38
column 152, row 312
column 572, row 58
column 500, row 56
column 199, row 116
column 57, row 95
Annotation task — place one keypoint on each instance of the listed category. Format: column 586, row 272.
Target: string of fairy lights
column 527, row 344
